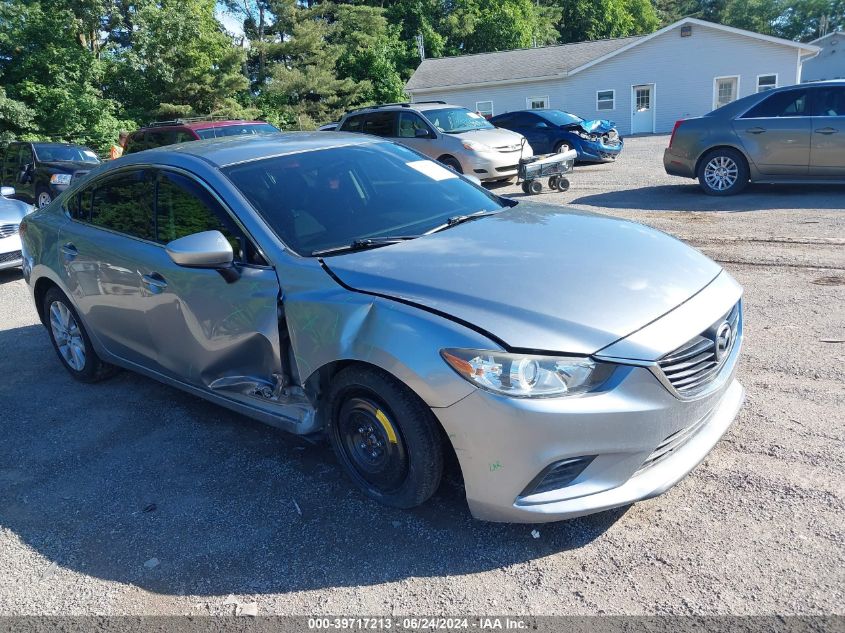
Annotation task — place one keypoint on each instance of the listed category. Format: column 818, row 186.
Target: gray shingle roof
column 523, row 63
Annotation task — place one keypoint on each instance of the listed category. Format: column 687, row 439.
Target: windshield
column 559, row 117
column 236, row 130
column 328, row 198
column 64, row 153
column 456, row 120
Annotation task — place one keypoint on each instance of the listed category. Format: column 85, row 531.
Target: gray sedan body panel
column 494, row 272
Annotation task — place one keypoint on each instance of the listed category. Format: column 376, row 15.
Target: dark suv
column 41, row 171
column 181, row 130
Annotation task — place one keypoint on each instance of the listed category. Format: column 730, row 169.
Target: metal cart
column 551, row 166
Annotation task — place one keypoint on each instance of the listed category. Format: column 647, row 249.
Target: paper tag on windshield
column 431, row 169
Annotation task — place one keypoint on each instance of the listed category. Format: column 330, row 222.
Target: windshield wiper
column 363, row 244
column 460, row 219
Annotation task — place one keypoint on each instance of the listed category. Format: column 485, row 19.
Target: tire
column 42, row 198
column 553, row 182
column 563, row 146
column 452, row 163
column 562, row 184
column 524, row 186
column 68, row 336
column 535, row 187
column 385, row 438
column 723, row 172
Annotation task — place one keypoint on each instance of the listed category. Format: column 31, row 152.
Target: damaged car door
column 216, row 328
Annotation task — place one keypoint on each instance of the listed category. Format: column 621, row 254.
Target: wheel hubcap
column 721, row 173
column 44, row 199
column 67, row 334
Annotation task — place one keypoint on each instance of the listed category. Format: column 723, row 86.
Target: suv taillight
column 675, row 129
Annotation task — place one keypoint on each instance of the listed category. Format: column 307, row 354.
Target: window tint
column 124, row 204
column 781, row 104
column 160, row 138
column 380, row 123
column 183, row 136
column 829, row 101
column 409, row 123
column 10, row 164
column 326, row 198
column 135, row 143
column 354, row 123
column 185, row 207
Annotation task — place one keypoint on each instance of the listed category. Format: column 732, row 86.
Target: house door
column 642, row 119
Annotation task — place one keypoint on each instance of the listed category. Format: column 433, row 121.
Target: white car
column 11, row 214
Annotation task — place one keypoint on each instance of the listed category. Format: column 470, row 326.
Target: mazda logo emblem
column 724, row 337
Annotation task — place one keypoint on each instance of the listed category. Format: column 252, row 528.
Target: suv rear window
column 236, row 130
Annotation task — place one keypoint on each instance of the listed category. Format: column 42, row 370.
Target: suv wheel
column 723, row 172
column 385, row 437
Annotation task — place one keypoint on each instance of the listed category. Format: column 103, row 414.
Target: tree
column 597, row 19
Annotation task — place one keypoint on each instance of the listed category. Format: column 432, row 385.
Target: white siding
column 682, row 69
column 830, row 63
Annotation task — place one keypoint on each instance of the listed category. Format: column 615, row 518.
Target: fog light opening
column 558, row 475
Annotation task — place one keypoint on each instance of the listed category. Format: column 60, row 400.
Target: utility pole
column 420, row 46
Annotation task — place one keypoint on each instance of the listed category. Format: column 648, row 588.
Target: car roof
column 393, row 107
column 231, row 150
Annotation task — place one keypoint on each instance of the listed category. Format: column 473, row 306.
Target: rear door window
column 124, row 203
column 829, row 101
column 381, row 124
column 789, row 103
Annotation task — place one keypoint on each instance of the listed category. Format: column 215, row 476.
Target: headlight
column 588, row 136
column 527, row 376
column 60, row 179
column 475, row 146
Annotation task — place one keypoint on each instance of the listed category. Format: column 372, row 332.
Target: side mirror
column 208, row 249
column 7, row 192
column 421, row 133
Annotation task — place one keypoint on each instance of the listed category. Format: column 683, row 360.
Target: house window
column 606, row 100
column 536, row 103
column 484, row 108
column 766, row 82
column 725, row 91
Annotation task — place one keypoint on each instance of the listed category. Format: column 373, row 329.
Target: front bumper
column 678, row 165
column 494, row 165
column 599, row 152
column 10, row 252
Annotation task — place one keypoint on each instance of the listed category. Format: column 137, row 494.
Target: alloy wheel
column 721, row 173
column 68, row 335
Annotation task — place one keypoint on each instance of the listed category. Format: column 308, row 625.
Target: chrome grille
column 8, row 229
column 691, row 367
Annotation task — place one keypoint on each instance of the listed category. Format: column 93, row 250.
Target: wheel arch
column 442, row 157
column 39, row 291
column 748, row 163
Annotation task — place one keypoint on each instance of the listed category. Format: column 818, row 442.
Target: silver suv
column 455, row 136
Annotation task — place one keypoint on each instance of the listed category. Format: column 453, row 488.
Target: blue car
column 550, row 131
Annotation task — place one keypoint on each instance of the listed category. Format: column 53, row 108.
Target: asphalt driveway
column 129, row 497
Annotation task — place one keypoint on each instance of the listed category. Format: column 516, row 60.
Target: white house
column 643, row 83
column 830, row 62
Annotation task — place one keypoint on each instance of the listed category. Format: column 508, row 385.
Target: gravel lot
column 129, row 497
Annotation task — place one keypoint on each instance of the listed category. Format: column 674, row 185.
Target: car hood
column 596, row 126
column 13, row 211
column 496, row 137
column 538, row 277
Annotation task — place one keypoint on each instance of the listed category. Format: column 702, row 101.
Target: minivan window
column 781, row 104
column 456, row 120
column 380, row 124
column 353, row 123
column 125, row 204
column 331, row 197
column 409, row 123
column 829, row 101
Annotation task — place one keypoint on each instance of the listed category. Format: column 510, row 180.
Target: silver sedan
column 11, row 213
column 344, row 285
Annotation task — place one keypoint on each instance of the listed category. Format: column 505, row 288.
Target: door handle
column 826, row 130
column 70, row 251
column 755, row 130
column 154, row 282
